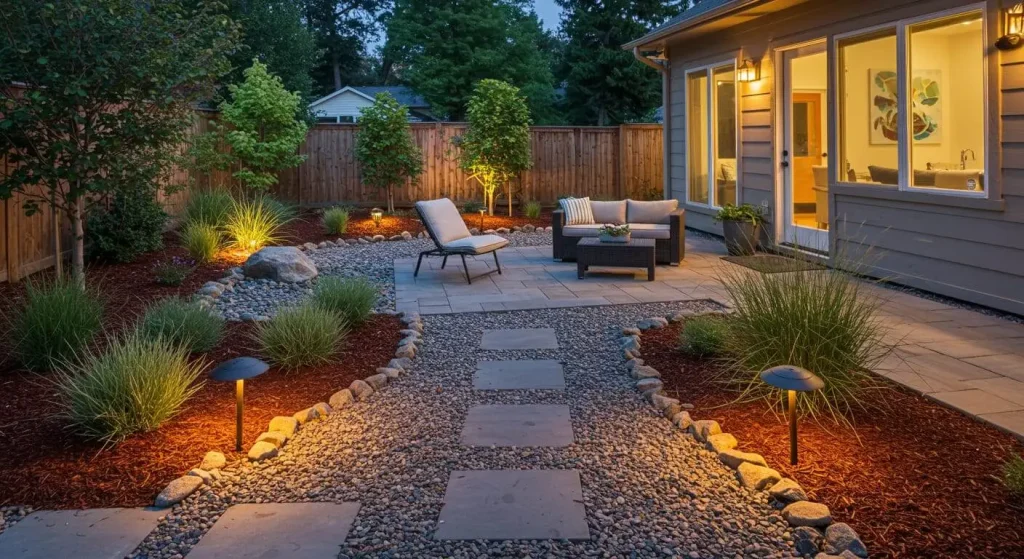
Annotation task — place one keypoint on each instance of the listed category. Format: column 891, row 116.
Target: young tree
column 496, row 147
column 265, row 131
column 95, row 96
column 385, row 147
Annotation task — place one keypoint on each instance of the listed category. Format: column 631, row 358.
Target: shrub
column 300, row 336
column 201, row 240
column 254, row 223
column 704, row 336
column 211, row 207
column 174, row 271
column 532, row 209
column 1013, row 475
column 58, row 319
column 351, row 298
column 472, row 207
column 284, row 212
column 336, row 221
column 183, row 323
column 820, row 320
column 133, row 225
column 133, row 386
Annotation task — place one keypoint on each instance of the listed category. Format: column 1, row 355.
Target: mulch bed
column 915, row 479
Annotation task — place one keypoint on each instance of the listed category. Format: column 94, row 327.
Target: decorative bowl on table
column 614, row 233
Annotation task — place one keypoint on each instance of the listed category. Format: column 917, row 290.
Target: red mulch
column 915, row 479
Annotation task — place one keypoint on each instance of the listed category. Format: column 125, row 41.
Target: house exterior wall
column 344, row 104
column 968, row 248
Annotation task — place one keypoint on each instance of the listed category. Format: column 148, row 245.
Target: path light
column 377, row 214
column 792, row 379
column 482, row 212
column 239, row 369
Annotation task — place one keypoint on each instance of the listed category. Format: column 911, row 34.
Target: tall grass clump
column 201, row 240
column 351, row 298
column 57, row 320
column 183, row 323
column 532, row 209
column 822, row 321
column 133, row 386
column 1013, row 475
column 212, row 207
column 336, row 221
column 254, row 223
column 300, row 336
column 704, row 336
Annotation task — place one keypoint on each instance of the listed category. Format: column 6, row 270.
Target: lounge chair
column 445, row 226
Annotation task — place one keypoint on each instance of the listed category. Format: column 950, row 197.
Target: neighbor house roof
column 402, row 94
column 705, row 10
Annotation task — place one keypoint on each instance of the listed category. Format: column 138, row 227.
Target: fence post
column 622, row 188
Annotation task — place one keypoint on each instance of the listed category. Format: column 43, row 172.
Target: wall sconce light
column 792, row 379
column 1013, row 26
column 238, row 370
column 749, row 71
column 377, row 214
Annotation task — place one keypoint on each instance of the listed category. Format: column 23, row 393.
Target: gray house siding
column 971, row 249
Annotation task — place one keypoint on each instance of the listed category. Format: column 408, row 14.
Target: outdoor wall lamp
column 792, row 379
column 749, row 71
column 1013, row 26
column 377, row 214
column 238, row 370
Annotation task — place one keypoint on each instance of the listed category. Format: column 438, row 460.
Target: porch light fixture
column 238, row 370
column 1013, row 26
column 748, row 72
column 792, row 379
column 377, row 214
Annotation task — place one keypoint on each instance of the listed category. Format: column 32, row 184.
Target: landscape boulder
column 281, row 264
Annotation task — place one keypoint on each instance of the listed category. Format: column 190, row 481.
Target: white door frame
column 786, row 232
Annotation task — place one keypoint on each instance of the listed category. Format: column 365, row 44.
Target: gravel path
column 649, row 490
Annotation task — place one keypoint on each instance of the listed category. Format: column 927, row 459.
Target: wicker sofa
column 660, row 221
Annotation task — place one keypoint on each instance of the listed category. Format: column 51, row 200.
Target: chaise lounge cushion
column 479, row 244
column 442, row 218
column 636, row 230
column 609, row 212
column 650, row 212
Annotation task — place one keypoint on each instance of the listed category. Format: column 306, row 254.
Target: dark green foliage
column 343, row 29
column 385, row 146
column 1013, row 475
column 532, row 209
column 336, row 221
column 183, row 323
column 58, row 320
column 133, row 225
column 351, row 298
column 174, row 271
column 212, row 207
column 704, row 336
column 202, row 241
column 274, row 32
column 472, row 206
column 745, row 212
column 300, row 336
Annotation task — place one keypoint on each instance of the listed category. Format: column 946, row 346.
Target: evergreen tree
column 342, row 28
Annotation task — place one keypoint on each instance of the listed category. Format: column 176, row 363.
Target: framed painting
column 926, row 91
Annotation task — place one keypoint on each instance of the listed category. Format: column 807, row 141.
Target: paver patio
column 82, row 534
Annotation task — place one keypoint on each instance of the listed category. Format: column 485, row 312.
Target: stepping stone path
column 522, row 425
column 521, row 338
column 541, row 374
column 82, row 534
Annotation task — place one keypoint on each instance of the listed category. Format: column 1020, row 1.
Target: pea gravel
column 649, row 491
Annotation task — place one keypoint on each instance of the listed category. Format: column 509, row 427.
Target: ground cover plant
column 704, row 336
column 336, row 221
column 351, row 298
column 57, row 319
column 174, row 271
column 301, row 336
column 183, row 323
column 532, row 209
column 201, row 240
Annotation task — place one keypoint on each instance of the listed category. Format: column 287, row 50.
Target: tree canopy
column 604, row 83
column 446, row 46
column 342, row 29
column 385, row 147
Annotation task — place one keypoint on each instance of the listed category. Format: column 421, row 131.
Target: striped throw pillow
column 577, row 211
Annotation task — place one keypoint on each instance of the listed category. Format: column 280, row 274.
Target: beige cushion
column 636, row 230
column 442, row 218
column 727, row 169
column 478, row 244
column 649, row 212
column 609, row 212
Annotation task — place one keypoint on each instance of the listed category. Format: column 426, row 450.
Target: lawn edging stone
column 811, row 522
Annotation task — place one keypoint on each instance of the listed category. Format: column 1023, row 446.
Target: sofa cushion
column 587, row 230
column 636, row 230
column 650, row 212
column 442, row 218
column 884, row 175
column 577, row 211
column 609, row 212
column 477, row 244
column 960, row 180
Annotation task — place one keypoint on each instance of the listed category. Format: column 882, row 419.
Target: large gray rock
column 788, row 491
column 840, row 537
column 283, row 264
column 177, row 490
column 733, row 458
column 341, row 398
column 213, row 461
column 807, row 540
column 806, row 513
column 752, row 476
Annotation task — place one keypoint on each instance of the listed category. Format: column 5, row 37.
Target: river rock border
column 283, row 428
column 814, row 533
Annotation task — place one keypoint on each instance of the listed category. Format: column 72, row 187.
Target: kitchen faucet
column 963, row 157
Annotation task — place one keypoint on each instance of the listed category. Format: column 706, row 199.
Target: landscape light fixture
column 239, row 369
column 482, row 220
column 377, row 214
column 748, row 72
column 1013, row 27
column 792, row 379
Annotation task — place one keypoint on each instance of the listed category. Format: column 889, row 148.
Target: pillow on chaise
column 577, row 211
column 657, row 211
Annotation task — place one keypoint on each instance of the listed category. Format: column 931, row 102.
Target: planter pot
column 741, row 237
column 612, row 239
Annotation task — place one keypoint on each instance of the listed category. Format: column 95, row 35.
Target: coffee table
column 636, row 253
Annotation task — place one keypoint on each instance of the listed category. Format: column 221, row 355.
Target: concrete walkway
column 965, row 359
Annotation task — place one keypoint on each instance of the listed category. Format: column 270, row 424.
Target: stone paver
column 292, row 530
column 518, row 425
column 976, row 401
column 536, row 374
column 510, row 504
column 520, row 338
column 78, row 534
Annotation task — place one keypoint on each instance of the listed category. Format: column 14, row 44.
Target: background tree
column 265, row 132
column 444, row 47
column 106, row 96
column 385, row 147
column 342, row 29
column 496, row 147
column 605, row 84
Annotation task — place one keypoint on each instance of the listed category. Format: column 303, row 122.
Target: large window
column 711, row 134
column 914, row 118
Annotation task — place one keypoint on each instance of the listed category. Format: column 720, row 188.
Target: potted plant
column 614, row 233
column 741, row 226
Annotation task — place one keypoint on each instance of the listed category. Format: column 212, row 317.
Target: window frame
column 712, row 136
column 904, row 159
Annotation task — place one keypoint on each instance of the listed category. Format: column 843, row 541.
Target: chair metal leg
column 444, row 262
column 466, row 268
column 496, row 263
column 418, row 262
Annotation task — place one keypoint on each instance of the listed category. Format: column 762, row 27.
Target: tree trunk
column 490, row 202
column 508, row 190
column 602, row 116
column 78, row 245
column 58, row 248
column 391, row 199
column 337, row 70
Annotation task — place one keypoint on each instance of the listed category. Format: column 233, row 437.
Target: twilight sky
column 549, row 13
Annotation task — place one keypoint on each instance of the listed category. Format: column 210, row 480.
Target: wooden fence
column 600, row 162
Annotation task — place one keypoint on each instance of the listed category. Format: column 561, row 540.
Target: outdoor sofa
column 661, row 220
